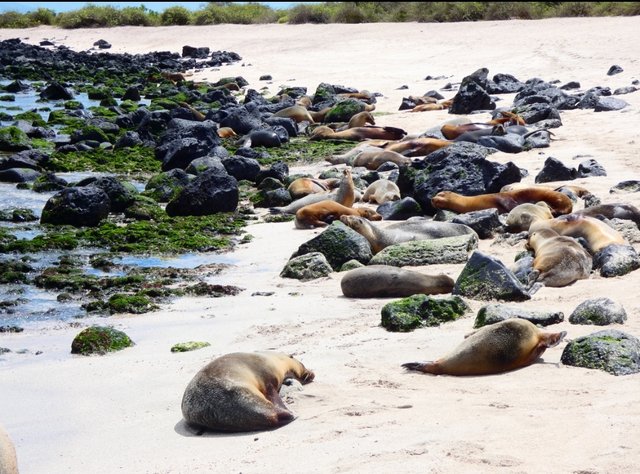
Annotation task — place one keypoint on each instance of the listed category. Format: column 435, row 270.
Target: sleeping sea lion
column 386, row 281
column 323, row 213
column 240, row 392
column 421, row 146
column 559, row 260
column 499, row 347
column 522, row 216
column 358, row 133
column 297, row 113
column 381, row 191
column 265, row 138
column 503, row 202
column 613, row 211
column 406, row 231
column 301, row 187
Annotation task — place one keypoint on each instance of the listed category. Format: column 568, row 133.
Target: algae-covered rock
column 416, row 311
column 136, row 304
column 351, row 265
column 13, row 139
column 189, row 346
column 599, row 312
column 427, row 252
column 100, row 340
column 307, row 267
column 344, row 110
column 494, row 313
column 612, row 351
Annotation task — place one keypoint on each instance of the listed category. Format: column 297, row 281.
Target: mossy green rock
column 17, row 215
column 136, row 304
column 417, row 311
column 612, row 351
column 13, row 139
column 427, row 252
column 495, row 313
column 144, row 209
column 344, row 110
column 100, row 340
column 189, row 346
column 599, row 312
column 307, row 267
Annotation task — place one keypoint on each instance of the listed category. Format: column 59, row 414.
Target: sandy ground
column 363, row 413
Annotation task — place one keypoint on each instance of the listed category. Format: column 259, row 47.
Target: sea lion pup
column 503, row 202
column 345, row 195
column 323, row 213
column 559, row 260
column 421, row 146
column 386, row 281
column 358, row 133
column 297, row 113
column 226, row 132
column 613, row 211
column 597, row 234
column 493, row 349
column 240, row 392
column 522, row 216
column 405, row 231
column 381, row 191
column 301, row 187
column 8, row 459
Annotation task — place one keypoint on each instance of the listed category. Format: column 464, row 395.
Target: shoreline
column 362, row 412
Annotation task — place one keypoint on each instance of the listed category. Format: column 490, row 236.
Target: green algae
column 189, row 346
column 138, row 159
column 100, row 340
column 416, row 311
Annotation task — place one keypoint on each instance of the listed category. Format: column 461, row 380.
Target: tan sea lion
column 361, row 119
column 358, row 133
column 417, row 146
column 323, row 213
column 493, row 349
column 429, row 107
column 386, row 281
column 226, row 132
column 301, row 187
column 522, row 216
column 297, row 113
column 8, row 459
column 613, row 211
column 503, row 202
column 345, row 195
column 596, row 233
column 381, row 191
column 320, row 114
column 559, row 260
column 405, row 231
column 304, row 101
column 240, row 392
column 508, row 118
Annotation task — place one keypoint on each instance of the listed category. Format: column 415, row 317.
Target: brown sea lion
column 304, row 101
column 381, row 191
column 197, row 115
column 8, row 459
column 360, row 95
column 430, row 107
column 559, row 260
column 297, row 113
column 493, row 349
column 417, row 146
column 361, row 119
column 613, row 211
column 174, row 77
column 522, row 216
column 508, row 118
column 240, row 392
column 372, row 160
column 323, row 213
column 301, row 187
column 405, row 231
column 319, row 115
column 596, row 233
column 345, row 195
column 503, row 202
column 226, row 132
column 358, row 133
column 386, row 281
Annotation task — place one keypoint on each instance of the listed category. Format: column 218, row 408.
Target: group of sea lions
column 241, row 391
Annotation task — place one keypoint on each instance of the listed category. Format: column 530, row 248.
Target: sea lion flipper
column 426, row 367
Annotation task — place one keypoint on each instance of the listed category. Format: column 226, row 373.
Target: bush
column 13, row 20
column 221, row 12
column 175, row 16
column 136, row 16
column 42, row 16
column 308, row 14
column 91, row 16
column 348, row 12
column 571, row 9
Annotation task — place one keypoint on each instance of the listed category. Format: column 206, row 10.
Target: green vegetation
column 124, row 160
column 100, row 15
column 100, row 340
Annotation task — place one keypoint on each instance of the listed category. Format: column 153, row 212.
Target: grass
column 102, row 15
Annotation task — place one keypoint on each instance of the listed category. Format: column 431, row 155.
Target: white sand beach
column 363, row 413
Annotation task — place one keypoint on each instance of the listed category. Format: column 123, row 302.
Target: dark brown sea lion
column 386, row 281
column 503, row 202
column 265, row 138
column 493, row 349
column 323, row 213
column 358, row 133
column 240, row 392
column 559, row 260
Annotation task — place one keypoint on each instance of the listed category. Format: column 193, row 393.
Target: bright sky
column 58, row 7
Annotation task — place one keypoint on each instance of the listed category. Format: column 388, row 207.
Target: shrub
column 42, row 16
column 175, row 16
column 91, row 16
column 136, row 16
column 13, row 20
column 308, row 14
column 570, row 9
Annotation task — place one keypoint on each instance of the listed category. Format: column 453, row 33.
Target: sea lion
column 503, row 201
column 508, row 118
column 381, row 191
column 493, row 349
column 361, row 119
column 370, row 157
column 226, row 132
column 522, row 216
column 174, row 77
column 405, row 231
column 421, row 146
column 301, row 187
column 559, row 260
column 345, row 195
column 597, row 234
column 323, row 213
column 358, row 133
column 429, row 107
column 297, row 113
column 240, row 392
column 305, row 101
column 265, row 138
column 386, row 281
column 197, row 115
column 613, row 211
column 8, row 459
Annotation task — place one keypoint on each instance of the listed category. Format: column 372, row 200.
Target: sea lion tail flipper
column 275, row 210
column 426, row 367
